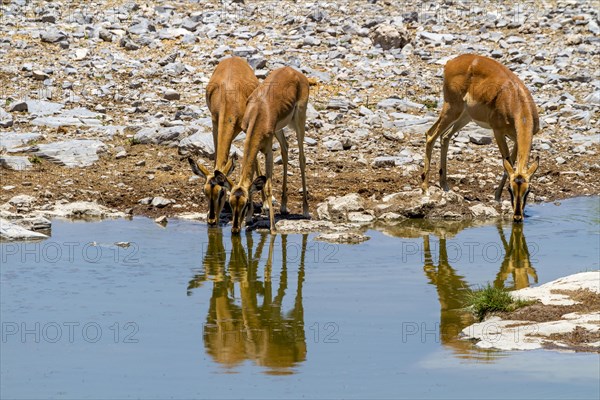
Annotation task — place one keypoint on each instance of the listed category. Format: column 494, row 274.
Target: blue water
column 188, row 312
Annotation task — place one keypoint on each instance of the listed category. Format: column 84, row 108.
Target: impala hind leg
column 299, row 125
column 448, row 116
column 503, row 146
column 463, row 120
column 284, row 158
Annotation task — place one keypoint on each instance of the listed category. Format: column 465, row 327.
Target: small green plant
column 133, row 141
column 35, row 159
column 430, row 104
column 491, row 299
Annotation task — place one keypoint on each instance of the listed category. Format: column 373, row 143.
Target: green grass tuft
column 491, row 299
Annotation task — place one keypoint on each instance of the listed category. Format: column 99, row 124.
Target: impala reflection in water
column 452, row 288
column 246, row 319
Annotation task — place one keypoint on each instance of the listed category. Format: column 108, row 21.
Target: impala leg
column 269, row 187
column 284, row 157
column 215, row 132
column 448, row 116
column 513, row 156
column 458, row 125
column 503, row 146
column 300, row 122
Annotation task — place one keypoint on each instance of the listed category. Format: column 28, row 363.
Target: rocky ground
column 565, row 316
column 100, row 100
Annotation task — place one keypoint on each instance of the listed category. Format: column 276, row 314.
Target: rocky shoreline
column 108, row 117
column 565, row 317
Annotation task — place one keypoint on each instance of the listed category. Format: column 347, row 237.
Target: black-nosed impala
column 479, row 89
column 280, row 101
column 227, row 92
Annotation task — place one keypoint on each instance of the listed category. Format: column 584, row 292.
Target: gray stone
column 84, row 210
column 481, row 211
column 22, row 200
column 160, row 202
column 171, row 94
column 337, row 208
column 389, row 37
column 384, row 161
column 334, row 145
column 430, row 37
column 396, row 136
column 165, row 136
column 244, row 51
column 11, row 231
column 39, row 75
column 17, row 163
column 340, row 104
column 6, row 119
column 479, row 138
column 42, row 108
column 342, row 237
column 18, row 106
column 128, row 44
column 105, row 35
column 201, row 144
column 71, row 153
column 12, row 140
column 52, row 35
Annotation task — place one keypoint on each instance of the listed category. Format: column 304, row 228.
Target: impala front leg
column 513, row 156
column 269, row 186
column 503, row 146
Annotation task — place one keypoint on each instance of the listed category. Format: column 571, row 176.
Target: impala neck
column 524, row 128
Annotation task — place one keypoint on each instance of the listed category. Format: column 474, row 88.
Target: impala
column 226, row 95
column 280, row 101
column 479, row 89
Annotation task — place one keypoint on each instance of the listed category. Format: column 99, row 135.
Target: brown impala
column 482, row 90
column 226, row 95
column 280, row 101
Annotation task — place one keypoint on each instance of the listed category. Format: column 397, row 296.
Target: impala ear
column 534, row 166
column 258, row 184
column 222, row 180
column 508, row 167
column 198, row 169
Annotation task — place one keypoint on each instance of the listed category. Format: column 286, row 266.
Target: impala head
column 215, row 188
column 518, row 187
column 240, row 199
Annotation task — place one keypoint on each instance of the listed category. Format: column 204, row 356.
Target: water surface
column 187, row 311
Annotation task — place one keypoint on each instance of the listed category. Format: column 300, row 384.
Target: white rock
column 482, row 211
column 342, row 237
column 584, row 280
column 11, row 231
